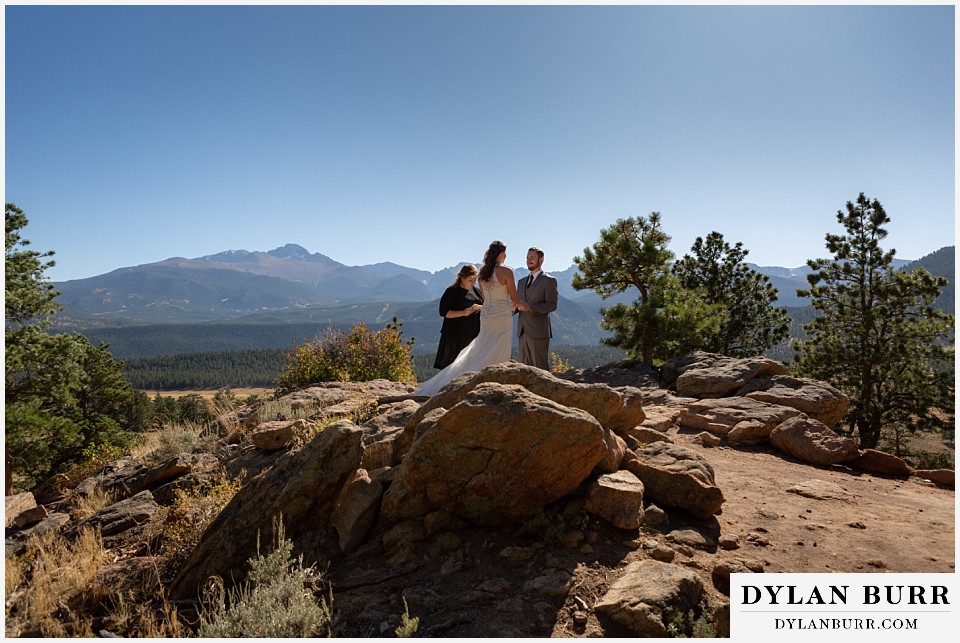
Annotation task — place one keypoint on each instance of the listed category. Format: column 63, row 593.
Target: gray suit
column 533, row 328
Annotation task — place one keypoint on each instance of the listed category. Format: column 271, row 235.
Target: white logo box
column 847, row 607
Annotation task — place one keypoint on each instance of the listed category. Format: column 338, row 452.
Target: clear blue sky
column 419, row 134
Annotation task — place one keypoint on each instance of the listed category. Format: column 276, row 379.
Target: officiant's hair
column 468, row 270
column 490, row 259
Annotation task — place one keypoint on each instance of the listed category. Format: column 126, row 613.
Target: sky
column 418, row 134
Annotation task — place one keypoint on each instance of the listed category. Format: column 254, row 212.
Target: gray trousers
column 535, row 352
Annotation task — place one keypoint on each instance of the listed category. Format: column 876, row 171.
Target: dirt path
column 843, row 521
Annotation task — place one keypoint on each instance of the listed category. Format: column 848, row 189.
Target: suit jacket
column 542, row 298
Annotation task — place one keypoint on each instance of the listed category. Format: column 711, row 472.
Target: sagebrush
column 277, row 600
column 357, row 355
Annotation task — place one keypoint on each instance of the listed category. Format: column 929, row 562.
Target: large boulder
column 599, row 400
column 393, row 415
column 628, row 372
column 630, row 414
column 817, row 399
column 649, row 595
column 645, row 435
column 706, row 375
column 31, row 517
column 301, row 489
column 16, row 542
column 721, row 416
column 661, row 418
column 113, row 477
column 384, row 440
column 675, row 476
column 879, row 462
column 52, row 489
column 616, row 448
column 811, row 441
column 946, row 477
column 493, row 457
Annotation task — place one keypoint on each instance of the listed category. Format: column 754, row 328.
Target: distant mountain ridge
column 238, row 283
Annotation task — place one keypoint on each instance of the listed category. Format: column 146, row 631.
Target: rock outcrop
column 377, row 483
column 705, row 375
column 613, row 409
column 811, row 441
column 121, row 516
column 819, row 400
column 126, row 477
column 498, row 454
column 301, row 489
column 750, row 421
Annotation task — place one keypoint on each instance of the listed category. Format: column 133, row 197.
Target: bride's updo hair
column 490, row 259
column 468, row 270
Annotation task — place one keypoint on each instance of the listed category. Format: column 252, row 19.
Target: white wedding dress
column 491, row 346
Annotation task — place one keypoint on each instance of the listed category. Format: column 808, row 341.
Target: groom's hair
column 539, row 251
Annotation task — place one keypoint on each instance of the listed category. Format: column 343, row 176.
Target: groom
column 539, row 290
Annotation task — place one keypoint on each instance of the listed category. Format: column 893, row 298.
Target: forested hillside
column 941, row 264
column 572, row 325
column 260, row 367
column 207, row 370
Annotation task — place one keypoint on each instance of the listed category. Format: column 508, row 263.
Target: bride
column 495, row 340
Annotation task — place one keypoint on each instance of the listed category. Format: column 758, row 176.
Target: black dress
column 457, row 332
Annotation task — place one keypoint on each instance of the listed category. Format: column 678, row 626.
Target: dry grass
column 13, row 573
column 273, row 409
column 86, row 505
column 136, row 618
column 54, row 590
column 52, row 587
column 171, row 440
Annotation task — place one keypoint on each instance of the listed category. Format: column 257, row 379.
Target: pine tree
column 877, row 336
column 753, row 323
column 666, row 319
column 63, row 396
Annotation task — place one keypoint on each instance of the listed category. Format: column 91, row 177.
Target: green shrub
column 686, row 625
column 275, row 601
column 920, row 459
column 357, row 355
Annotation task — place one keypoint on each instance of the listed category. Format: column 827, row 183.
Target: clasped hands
column 524, row 306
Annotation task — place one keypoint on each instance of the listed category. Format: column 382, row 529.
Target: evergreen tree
column 63, row 396
column 28, row 295
column 666, row 319
column 753, row 323
column 877, row 337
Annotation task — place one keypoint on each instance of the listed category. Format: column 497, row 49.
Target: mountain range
column 236, row 283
